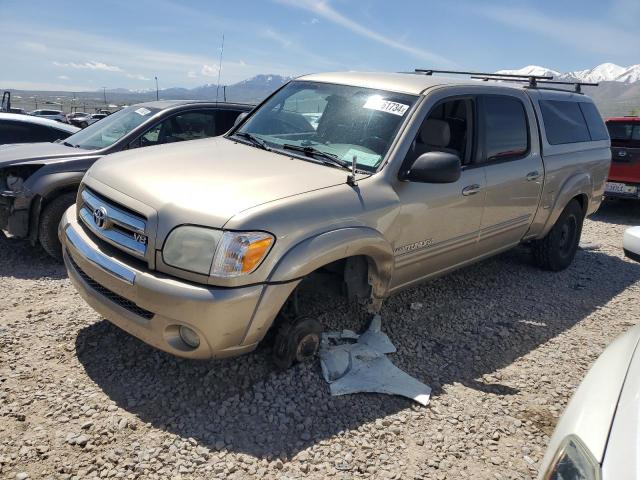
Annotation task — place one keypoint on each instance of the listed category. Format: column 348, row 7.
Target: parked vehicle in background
column 93, row 118
column 50, row 114
column 597, row 436
column 360, row 184
column 631, row 243
column 624, row 177
column 16, row 128
column 38, row 182
column 72, row 118
column 17, row 110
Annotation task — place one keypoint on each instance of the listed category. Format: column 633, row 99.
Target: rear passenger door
column 510, row 154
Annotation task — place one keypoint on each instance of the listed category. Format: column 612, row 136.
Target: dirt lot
column 503, row 344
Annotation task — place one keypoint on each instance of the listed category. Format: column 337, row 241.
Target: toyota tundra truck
column 372, row 182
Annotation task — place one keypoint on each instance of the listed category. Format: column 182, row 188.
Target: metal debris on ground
column 359, row 364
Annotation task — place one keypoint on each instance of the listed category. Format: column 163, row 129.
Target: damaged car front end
column 16, row 200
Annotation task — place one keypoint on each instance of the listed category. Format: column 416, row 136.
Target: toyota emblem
column 100, row 217
column 622, row 153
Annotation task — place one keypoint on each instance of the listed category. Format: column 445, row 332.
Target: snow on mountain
column 531, row 70
column 607, row 72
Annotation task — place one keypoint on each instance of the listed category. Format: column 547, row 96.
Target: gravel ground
column 502, row 343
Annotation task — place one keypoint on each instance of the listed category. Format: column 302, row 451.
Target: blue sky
column 75, row 46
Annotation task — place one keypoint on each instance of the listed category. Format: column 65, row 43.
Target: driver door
column 438, row 227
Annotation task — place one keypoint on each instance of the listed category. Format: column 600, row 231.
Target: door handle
column 471, row 190
column 531, row 176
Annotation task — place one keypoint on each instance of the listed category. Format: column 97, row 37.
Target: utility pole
column 157, row 94
column 104, row 92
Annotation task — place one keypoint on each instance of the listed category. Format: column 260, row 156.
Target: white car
column 631, row 243
column 598, row 435
column 50, row 114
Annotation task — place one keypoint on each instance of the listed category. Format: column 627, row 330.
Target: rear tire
column 49, row 221
column 556, row 250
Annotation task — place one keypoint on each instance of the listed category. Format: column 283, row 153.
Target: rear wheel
column 49, row 220
column 555, row 252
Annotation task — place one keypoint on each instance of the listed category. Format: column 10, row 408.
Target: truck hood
column 11, row 154
column 207, row 181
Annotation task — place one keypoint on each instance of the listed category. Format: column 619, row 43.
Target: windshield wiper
column 329, row 158
column 258, row 142
column 70, row 144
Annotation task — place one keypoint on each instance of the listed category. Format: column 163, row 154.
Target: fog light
column 189, row 337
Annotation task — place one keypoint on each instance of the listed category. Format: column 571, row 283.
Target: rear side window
column 564, row 122
column 505, row 127
column 19, row 132
column 595, row 124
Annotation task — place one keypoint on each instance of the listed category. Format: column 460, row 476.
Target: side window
column 564, row 122
column 225, row 120
column 178, row 128
column 18, row 132
column 447, row 128
column 595, row 124
column 506, row 132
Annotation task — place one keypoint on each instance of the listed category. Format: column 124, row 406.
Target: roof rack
column 531, row 79
column 540, row 83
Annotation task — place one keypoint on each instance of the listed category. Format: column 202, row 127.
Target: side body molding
column 313, row 253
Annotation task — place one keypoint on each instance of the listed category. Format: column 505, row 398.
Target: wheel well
column 583, row 200
column 340, row 280
column 40, row 202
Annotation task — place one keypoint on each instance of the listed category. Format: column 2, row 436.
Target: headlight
column 573, row 461
column 221, row 254
column 240, row 253
column 191, row 248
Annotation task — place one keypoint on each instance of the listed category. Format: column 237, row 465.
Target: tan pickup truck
column 377, row 181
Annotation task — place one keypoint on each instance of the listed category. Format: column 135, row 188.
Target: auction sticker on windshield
column 376, row 102
column 143, row 111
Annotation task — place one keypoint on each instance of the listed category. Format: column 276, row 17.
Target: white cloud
column 593, row 36
column 63, row 77
column 89, row 66
column 192, row 74
column 277, row 37
column 209, row 70
column 323, row 9
column 137, row 76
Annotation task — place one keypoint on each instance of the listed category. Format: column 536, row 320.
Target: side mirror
column 435, row 167
column 631, row 243
column 240, row 118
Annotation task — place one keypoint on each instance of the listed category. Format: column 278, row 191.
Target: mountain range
column 617, row 94
column 606, row 72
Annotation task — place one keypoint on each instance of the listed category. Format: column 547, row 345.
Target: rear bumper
column 152, row 307
column 633, row 196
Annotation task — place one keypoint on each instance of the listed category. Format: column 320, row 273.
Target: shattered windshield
column 323, row 119
column 110, row 129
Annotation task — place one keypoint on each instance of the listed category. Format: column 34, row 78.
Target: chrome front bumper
column 152, row 307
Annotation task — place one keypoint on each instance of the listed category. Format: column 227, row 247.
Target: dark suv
column 38, row 182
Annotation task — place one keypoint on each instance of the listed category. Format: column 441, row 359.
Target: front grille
column 114, row 297
column 113, row 223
